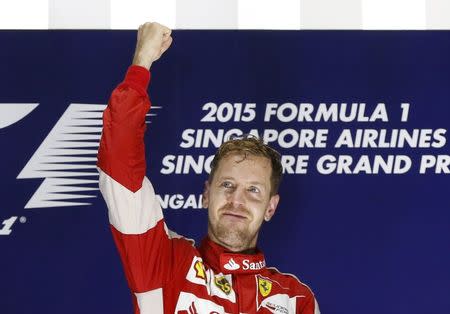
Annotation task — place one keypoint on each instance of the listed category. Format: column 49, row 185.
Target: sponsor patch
column 264, row 286
column 274, row 297
column 231, row 265
column 222, row 283
column 199, row 270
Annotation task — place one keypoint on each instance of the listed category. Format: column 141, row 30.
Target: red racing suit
column 165, row 272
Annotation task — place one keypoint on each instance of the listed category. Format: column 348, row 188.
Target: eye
column 253, row 189
column 227, row 184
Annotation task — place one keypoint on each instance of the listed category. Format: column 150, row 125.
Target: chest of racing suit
column 166, row 273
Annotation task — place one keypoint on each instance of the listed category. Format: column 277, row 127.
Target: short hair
column 248, row 144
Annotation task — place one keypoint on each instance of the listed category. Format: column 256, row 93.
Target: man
column 165, row 272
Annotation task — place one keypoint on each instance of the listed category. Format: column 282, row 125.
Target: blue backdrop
column 365, row 243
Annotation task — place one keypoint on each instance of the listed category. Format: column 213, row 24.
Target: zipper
column 236, row 292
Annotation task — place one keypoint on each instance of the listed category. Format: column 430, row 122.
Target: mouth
column 234, row 216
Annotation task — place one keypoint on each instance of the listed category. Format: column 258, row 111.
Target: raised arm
column 122, row 154
column 134, row 212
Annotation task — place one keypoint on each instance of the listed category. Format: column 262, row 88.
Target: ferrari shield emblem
column 265, row 286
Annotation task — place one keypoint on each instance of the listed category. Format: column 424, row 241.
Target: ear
column 272, row 207
column 205, row 196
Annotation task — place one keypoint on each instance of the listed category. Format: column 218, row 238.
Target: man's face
column 238, row 200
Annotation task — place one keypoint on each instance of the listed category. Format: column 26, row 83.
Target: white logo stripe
column 70, row 151
column 59, row 188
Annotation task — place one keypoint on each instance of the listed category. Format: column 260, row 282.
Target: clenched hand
column 153, row 40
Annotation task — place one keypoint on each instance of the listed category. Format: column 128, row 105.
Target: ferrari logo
column 265, row 286
column 199, row 270
column 222, row 283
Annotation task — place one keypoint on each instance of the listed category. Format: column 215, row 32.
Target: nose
column 237, row 197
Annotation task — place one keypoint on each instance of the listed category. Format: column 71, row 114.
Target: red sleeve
column 122, row 152
column 135, row 214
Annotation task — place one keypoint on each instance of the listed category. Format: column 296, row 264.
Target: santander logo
column 231, row 265
column 238, row 263
column 253, row 265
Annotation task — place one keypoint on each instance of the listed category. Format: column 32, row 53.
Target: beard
column 235, row 236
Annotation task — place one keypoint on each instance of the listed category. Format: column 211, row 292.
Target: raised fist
column 153, row 40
